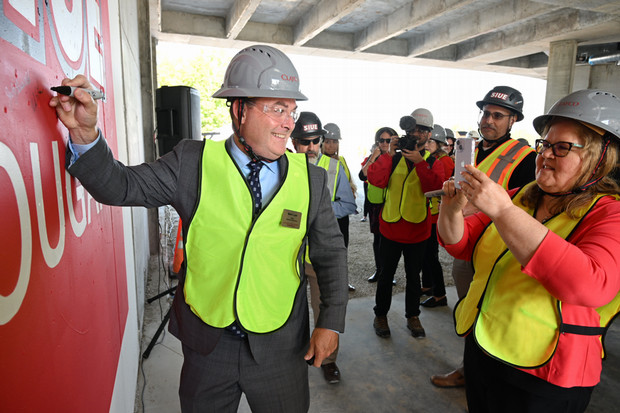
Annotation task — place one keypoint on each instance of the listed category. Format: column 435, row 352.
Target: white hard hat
column 260, row 71
column 423, row 117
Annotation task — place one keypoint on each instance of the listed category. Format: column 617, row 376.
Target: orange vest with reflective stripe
column 504, row 159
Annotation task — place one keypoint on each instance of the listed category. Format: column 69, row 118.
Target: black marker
column 68, row 90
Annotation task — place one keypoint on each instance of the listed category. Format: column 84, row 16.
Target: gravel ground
column 362, row 264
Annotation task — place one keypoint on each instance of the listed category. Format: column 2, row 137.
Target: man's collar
column 242, row 159
column 495, row 144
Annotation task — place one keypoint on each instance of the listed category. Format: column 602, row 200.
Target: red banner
column 63, row 289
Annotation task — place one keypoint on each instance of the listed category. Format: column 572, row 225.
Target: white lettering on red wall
column 63, row 292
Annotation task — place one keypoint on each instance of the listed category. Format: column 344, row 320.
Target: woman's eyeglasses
column 388, row 140
column 559, row 149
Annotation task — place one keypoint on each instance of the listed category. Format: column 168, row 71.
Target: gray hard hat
column 307, row 125
column 423, row 117
column 333, row 131
column 595, row 107
column 449, row 133
column 473, row 134
column 260, row 71
column 439, row 134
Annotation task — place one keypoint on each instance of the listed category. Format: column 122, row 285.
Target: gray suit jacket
column 173, row 180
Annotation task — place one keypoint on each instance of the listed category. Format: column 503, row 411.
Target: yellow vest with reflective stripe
column 241, row 267
column 404, row 197
column 332, row 166
column 504, row 159
column 512, row 316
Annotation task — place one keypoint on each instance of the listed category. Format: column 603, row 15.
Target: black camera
column 408, row 141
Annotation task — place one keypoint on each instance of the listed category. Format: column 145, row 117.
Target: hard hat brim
column 258, row 93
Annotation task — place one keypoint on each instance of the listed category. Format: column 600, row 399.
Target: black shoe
column 428, row 293
column 331, row 373
column 351, row 288
column 432, row 302
column 373, row 278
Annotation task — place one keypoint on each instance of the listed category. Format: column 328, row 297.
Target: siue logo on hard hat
column 311, row 127
column 498, row 95
column 568, row 103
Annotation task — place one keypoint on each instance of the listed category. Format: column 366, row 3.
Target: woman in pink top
column 547, row 269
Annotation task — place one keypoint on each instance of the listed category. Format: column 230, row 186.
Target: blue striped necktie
column 254, row 181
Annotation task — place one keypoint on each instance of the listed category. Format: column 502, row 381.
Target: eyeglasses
column 495, row 115
column 388, row 140
column 277, row 112
column 307, row 142
column 560, row 149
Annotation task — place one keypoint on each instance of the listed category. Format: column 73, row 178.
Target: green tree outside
column 202, row 70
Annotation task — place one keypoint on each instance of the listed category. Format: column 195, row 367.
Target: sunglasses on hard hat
column 306, row 142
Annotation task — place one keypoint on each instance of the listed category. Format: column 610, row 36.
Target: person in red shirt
column 405, row 222
column 547, row 276
column 375, row 197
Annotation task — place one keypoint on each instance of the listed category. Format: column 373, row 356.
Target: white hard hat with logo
column 260, row 71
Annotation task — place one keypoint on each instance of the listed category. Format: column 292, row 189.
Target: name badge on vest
column 291, row 219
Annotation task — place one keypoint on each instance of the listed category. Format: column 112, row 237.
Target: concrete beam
column 325, row 14
column 550, row 27
column 239, row 15
column 176, row 22
column 484, row 20
column 404, row 19
column 601, row 6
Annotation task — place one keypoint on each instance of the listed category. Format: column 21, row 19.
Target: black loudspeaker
column 178, row 116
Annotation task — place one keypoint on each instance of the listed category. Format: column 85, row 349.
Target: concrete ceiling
column 509, row 36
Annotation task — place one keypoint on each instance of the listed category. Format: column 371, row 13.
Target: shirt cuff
column 78, row 150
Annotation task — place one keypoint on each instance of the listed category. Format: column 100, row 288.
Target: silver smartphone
column 464, row 155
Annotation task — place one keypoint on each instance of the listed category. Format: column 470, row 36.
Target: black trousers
column 494, row 387
column 343, row 223
column 432, row 273
column 390, row 252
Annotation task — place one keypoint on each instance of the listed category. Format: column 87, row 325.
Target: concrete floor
column 378, row 375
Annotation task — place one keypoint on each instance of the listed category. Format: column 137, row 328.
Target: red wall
column 63, row 286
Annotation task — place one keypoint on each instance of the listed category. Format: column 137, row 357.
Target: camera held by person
column 408, row 141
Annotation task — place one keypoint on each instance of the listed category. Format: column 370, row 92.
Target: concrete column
column 606, row 77
column 560, row 70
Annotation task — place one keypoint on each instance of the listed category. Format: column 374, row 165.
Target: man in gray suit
column 248, row 210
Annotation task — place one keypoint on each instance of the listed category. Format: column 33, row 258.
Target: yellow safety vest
column 512, row 316
column 346, row 167
column 504, row 159
column 332, row 166
column 436, row 200
column 375, row 194
column 404, row 197
column 241, row 267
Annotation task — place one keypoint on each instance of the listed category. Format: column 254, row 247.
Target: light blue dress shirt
column 269, row 175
